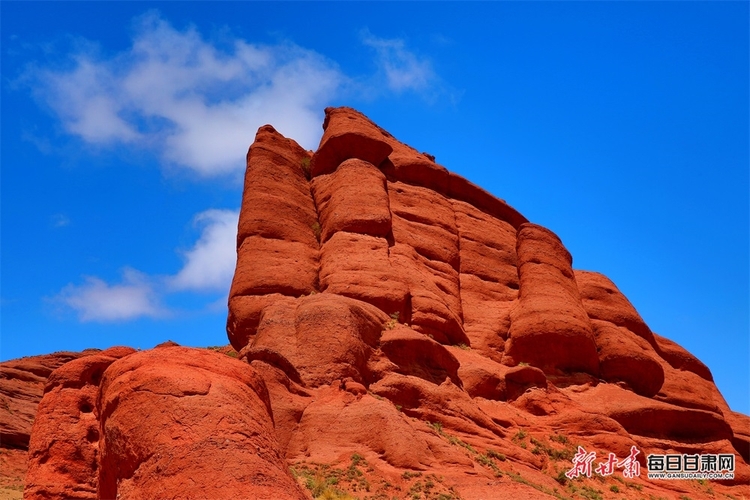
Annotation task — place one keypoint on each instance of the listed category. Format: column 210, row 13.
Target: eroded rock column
column 277, row 246
column 549, row 327
column 355, row 219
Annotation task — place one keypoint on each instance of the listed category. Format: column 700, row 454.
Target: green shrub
column 520, row 434
column 391, row 323
column 561, row 477
column 305, row 165
column 496, row 455
column 317, row 230
column 559, row 438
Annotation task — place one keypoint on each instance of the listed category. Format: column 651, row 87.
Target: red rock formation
column 549, row 327
column 401, row 334
column 347, row 136
column 277, row 232
column 64, row 448
column 452, row 266
column 21, row 388
column 188, row 423
column 22, row 384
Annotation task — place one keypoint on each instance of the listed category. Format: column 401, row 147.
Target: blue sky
column 621, row 126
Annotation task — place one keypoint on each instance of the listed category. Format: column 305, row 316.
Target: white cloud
column 403, row 69
column 95, row 300
column 86, row 102
column 197, row 105
column 210, row 264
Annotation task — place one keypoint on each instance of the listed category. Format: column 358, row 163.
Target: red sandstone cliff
column 401, row 334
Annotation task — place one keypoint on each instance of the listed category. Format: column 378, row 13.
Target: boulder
column 603, row 301
column 191, row 421
column 326, row 337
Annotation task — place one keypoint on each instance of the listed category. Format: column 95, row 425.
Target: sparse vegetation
column 496, row 455
column 561, row 478
column 519, row 438
column 428, row 487
column 379, row 398
column 316, row 229
column 590, row 493
column 356, row 459
column 321, row 483
column 559, row 438
column 391, row 323
column 464, row 347
column 327, row 483
column 437, row 427
column 305, row 165
column 540, row 447
column 218, row 348
column 520, row 479
column 614, row 489
column 487, row 461
column 635, row 486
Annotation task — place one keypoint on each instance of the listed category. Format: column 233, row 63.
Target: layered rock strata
column 400, row 333
column 422, row 249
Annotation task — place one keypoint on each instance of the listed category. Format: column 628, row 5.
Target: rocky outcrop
column 188, row 422
column 172, row 422
column 484, row 325
column 549, row 327
column 398, row 333
column 22, row 384
column 64, row 449
column 21, row 388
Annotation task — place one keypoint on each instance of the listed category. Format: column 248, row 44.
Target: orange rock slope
column 400, row 333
